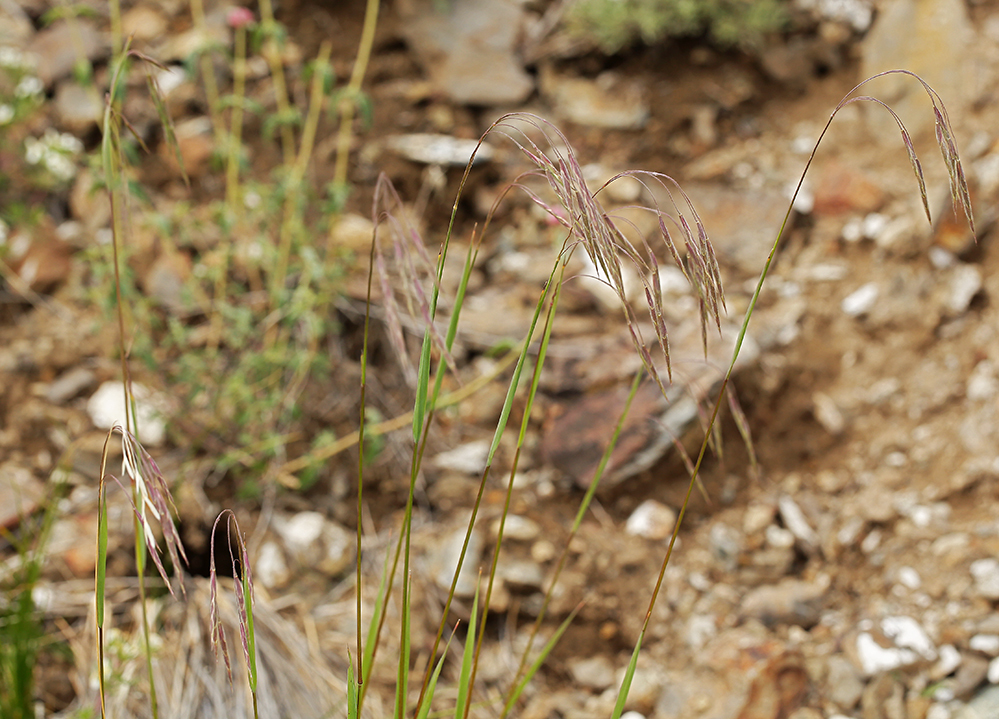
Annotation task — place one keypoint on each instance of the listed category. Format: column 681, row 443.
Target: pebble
column 69, row 384
column 651, row 520
column 982, row 384
column 543, row 551
column 521, row 574
column 447, row 561
column 757, row 518
column 779, row 538
column 828, row 414
column 984, row 705
column 270, row 567
column 909, row 578
column 795, row 521
column 993, row 671
column 861, row 300
column 315, row 542
column 985, row 643
column 60, row 46
column 910, row 644
column 986, row 575
column 763, row 677
column 144, row 22
column 970, row 674
column 106, row 408
column 518, row 528
column 646, row 686
column 726, row 545
column 78, row 108
column 843, row 685
column 593, row 672
column 883, row 698
column 468, row 458
column 965, row 282
column 791, row 601
column 442, row 150
column 609, row 101
column 947, row 663
column 470, row 50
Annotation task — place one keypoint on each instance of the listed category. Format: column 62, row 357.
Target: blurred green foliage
column 616, row 24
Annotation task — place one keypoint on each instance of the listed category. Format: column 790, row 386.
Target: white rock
column 950, row 660
column 907, row 633
column 875, row 658
column 593, row 672
column 827, row 413
column 938, row 710
column 983, row 383
column 270, row 568
column 909, row 578
column 469, row 458
column 795, row 521
column 652, row 520
column 450, row 552
column 444, row 150
column 106, row 408
column 965, row 283
column 757, row 518
column 517, row 527
column 985, row 643
column 779, row 537
column 986, row 575
column 860, row 301
column 993, row 672
column 316, row 542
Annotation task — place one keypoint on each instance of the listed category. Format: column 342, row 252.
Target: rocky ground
column 853, row 572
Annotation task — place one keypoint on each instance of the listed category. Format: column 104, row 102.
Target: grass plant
column 588, row 228
column 409, row 278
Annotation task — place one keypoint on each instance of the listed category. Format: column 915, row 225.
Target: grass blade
column 465, row 675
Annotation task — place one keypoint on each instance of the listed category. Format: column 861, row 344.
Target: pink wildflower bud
column 239, row 17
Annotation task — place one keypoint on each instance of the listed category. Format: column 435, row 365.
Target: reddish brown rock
column 842, row 189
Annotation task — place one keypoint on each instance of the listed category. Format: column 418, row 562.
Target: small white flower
column 70, row 143
column 29, row 86
column 12, row 58
column 33, row 150
column 4, row 233
column 6, row 114
column 252, row 200
column 61, row 167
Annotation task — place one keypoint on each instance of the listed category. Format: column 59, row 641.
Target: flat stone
column 446, row 561
column 651, row 520
column 742, row 223
column 986, row 575
column 313, row 541
column 844, row 685
column 469, row 458
column 593, row 672
column 928, row 37
column 144, row 22
column 984, row 705
column 78, row 108
column 20, row 494
column 790, row 601
column 59, row 47
column 469, row 50
column 15, row 25
column 608, row 101
column 69, row 384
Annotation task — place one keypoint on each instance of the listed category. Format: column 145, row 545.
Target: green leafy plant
column 615, row 24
